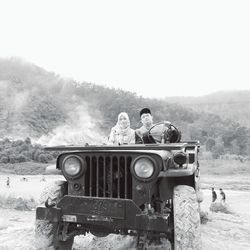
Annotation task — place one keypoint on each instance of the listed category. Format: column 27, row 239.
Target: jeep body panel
column 108, row 196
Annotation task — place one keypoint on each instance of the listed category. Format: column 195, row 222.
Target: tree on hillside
column 35, row 102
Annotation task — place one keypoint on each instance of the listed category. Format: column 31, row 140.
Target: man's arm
column 138, row 139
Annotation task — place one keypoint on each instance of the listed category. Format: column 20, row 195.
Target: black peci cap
column 145, row 111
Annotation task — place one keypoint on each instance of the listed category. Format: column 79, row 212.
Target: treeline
column 109, row 102
column 16, row 151
column 218, row 136
column 34, row 102
column 237, row 102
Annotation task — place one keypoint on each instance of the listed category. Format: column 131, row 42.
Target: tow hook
column 49, row 203
column 149, row 210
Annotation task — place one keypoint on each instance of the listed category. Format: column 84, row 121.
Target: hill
column 39, row 104
column 233, row 105
column 36, row 103
column 51, row 110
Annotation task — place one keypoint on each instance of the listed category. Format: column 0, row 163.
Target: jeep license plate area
column 93, row 208
column 69, row 218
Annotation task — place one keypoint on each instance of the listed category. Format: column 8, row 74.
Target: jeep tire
column 46, row 232
column 187, row 234
column 46, row 237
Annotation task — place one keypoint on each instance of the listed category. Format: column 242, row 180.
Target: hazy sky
column 154, row 48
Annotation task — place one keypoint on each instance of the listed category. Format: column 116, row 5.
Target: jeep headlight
column 73, row 166
column 144, row 167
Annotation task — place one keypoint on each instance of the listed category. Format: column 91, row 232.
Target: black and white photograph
column 124, row 125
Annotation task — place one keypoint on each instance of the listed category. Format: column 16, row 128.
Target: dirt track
column 222, row 231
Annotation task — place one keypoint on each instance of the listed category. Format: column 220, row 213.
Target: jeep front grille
column 108, row 176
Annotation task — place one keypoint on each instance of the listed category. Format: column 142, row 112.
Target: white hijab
column 120, row 128
column 121, row 134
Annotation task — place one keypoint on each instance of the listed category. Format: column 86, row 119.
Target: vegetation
column 35, row 103
column 24, row 168
column 217, row 136
column 18, row 151
column 233, row 105
column 227, row 166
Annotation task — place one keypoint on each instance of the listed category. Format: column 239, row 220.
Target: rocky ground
column 221, row 231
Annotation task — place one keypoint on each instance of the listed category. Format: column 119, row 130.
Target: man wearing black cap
column 147, row 121
column 147, row 124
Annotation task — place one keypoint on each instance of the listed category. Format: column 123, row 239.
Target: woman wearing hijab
column 121, row 133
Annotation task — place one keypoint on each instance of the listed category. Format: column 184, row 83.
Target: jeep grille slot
column 108, row 176
column 191, row 158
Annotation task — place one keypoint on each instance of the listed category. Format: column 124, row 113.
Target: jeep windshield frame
column 170, row 146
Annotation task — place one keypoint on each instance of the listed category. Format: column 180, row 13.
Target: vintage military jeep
column 145, row 190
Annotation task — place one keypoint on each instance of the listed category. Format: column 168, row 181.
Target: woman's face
column 123, row 121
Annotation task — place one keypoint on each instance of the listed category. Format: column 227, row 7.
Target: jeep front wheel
column 187, row 234
column 46, row 237
column 46, row 232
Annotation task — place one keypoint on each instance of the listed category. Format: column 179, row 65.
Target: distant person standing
column 8, row 182
column 214, row 195
column 223, row 196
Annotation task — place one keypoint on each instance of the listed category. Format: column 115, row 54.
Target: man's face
column 147, row 119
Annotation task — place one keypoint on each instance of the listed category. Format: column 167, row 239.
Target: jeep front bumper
column 112, row 214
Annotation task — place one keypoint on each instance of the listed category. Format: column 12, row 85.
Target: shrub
column 24, row 147
column 220, row 207
column 12, row 159
column 204, row 217
column 9, row 151
column 49, row 157
column 43, row 158
column 36, row 154
column 21, row 158
column 6, row 141
column 55, row 154
column 17, row 143
column 27, row 154
column 23, row 151
column 28, row 140
column 4, row 159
